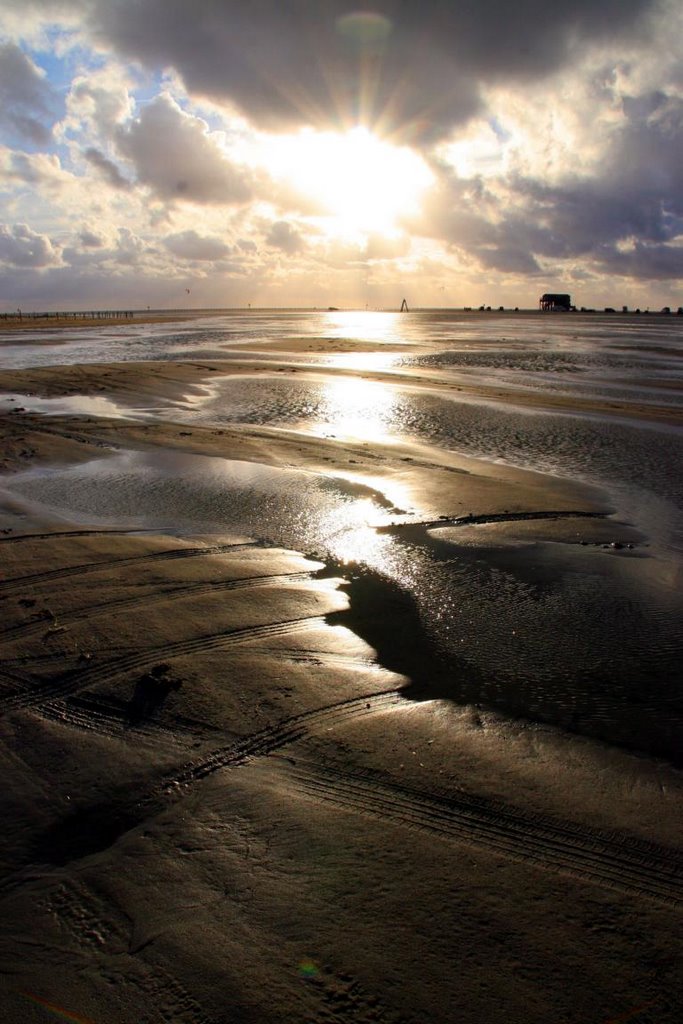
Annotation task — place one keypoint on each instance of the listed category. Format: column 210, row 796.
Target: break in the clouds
column 292, row 152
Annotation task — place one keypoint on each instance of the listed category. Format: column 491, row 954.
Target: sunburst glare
column 361, row 182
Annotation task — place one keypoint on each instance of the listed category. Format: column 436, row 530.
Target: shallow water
column 585, row 638
column 638, row 464
column 171, row 491
column 71, row 405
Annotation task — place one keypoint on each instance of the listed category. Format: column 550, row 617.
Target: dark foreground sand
column 225, row 801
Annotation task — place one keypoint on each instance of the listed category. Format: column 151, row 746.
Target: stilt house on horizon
column 555, row 303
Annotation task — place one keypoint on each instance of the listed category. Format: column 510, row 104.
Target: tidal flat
column 341, row 669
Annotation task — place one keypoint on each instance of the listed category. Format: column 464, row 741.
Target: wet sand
column 233, row 790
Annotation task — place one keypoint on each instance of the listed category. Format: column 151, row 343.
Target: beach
column 339, row 670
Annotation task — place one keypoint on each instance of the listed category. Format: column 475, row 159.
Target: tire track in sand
column 610, row 859
column 17, row 538
column 9, row 586
column 115, row 720
column 96, row 828
column 272, row 738
column 170, row 593
column 105, row 719
column 73, row 682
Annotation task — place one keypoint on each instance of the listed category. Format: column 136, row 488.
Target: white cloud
column 90, row 239
column 189, row 245
column 177, row 156
column 29, row 20
column 378, row 247
column 96, row 104
column 42, row 170
column 22, row 247
column 281, row 235
column 130, row 248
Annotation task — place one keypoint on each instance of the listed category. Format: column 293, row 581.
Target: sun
column 361, row 183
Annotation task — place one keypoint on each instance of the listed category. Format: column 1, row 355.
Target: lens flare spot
column 58, row 1011
column 367, row 29
column 307, row 969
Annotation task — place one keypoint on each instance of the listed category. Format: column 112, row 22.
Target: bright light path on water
column 354, row 409
column 368, row 325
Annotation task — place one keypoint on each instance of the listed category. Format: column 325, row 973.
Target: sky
column 219, row 153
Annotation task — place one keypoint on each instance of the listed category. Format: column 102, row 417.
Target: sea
column 582, row 638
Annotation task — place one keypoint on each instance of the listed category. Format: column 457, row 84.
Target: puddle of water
column 72, row 405
column 198, row 493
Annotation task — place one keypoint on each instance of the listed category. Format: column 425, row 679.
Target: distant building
column 555, row 303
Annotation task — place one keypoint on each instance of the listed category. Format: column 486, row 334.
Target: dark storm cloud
column 25, row 97
column 626, row 215
column 648, row 155
column 505, row 244
column 411, row 65
column 590, row 220
column 651, row 262
column 635, row 194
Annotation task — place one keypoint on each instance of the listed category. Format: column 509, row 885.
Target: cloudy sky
column 171, row 153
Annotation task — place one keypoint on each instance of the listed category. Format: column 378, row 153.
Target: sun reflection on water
column 363, row 545
column 357, row 409
column 350, row 529
column 364, row 325
column 368, row 361
column 352, row 536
